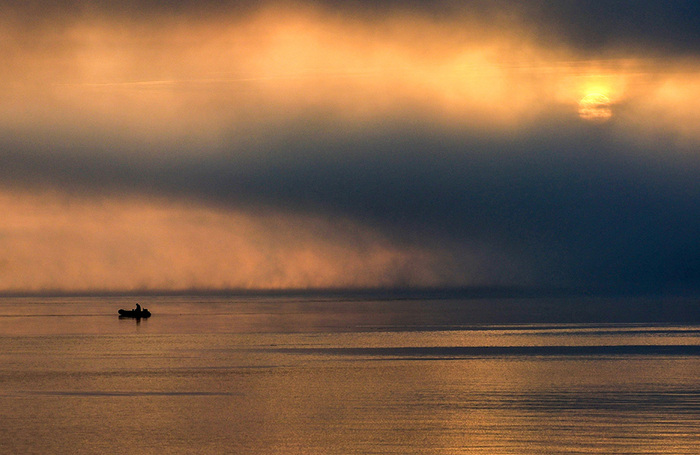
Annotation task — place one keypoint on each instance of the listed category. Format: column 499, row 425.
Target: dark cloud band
column 594, row 209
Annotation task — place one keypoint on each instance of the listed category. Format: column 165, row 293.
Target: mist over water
column 344, row 375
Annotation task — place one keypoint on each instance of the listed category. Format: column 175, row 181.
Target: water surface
column 342, row 375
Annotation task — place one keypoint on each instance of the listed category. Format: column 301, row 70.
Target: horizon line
column 484, row 291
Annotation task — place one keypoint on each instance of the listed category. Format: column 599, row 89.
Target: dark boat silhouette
column 144, row 313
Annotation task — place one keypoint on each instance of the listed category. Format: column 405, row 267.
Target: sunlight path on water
column 296, row 376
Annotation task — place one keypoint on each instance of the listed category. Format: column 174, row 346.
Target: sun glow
column 595, row 106
column 203, row 81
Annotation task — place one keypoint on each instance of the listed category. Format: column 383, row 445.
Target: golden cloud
column 176, row 78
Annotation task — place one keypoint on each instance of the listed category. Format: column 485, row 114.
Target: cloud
column 401, row 145
column 660, row 27
column 638, row 27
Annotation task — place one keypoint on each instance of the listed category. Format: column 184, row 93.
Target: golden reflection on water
column 174, row 389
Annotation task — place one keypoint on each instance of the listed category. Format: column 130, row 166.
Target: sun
column 595, row 107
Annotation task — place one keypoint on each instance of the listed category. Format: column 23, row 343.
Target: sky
column 212, row 144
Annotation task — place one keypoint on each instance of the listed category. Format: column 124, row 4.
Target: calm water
column 302, row 375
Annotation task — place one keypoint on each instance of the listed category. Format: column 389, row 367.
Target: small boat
column 144, row 313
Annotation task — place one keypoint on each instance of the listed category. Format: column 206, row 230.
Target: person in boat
column 138, row 308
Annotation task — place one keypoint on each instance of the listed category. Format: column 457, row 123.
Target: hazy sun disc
column 595, row 107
